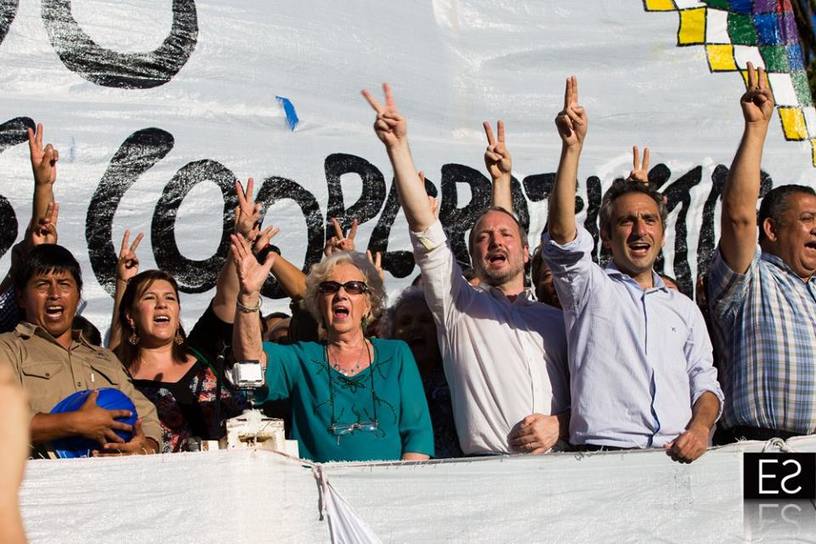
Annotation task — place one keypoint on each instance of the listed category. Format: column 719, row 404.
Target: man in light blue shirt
column 641, row 372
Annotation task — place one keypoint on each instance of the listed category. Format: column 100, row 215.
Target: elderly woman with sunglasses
column 352, row 398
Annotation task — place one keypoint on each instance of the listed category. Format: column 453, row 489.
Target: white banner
column 252, row 496
column 157, row 106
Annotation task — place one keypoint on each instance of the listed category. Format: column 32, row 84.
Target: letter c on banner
column 137, row 154
column 80, row 54
column 12, row 132
column 192, row 276
column 8, row 9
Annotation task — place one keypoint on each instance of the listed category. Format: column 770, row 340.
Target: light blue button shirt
column 639, row 358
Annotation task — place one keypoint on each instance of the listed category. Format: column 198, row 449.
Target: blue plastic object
column 292, row 118
column 110, row 399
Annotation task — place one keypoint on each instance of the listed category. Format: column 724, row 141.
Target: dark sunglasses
column 351, row 287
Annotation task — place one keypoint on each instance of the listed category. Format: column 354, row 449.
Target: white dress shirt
column 639, row 358
column 503, row 359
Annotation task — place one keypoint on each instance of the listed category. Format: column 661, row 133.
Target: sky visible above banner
column 156, row 107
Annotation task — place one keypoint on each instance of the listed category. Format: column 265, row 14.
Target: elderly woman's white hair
column 320, row 272
column 387, row 324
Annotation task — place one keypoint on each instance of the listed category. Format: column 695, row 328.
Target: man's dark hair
column 45, row 259
column 776, row 203
column 472, row 235
column 622, row 187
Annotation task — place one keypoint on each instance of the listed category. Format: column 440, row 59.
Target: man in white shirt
column 641, row 372
column 504, row 353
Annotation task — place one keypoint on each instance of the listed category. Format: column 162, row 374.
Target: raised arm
column 247, row 216
column 291, row 278
column 572, row 128
column 44, row 166
column 499, row 164
column 392, row 130
column 127, row 266
column 250, row 275
column 739, row 224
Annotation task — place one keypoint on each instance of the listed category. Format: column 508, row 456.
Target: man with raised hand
column 640, row 358
column 44, row 167
column 51, row 361
column 504, row 354
column 763, row 297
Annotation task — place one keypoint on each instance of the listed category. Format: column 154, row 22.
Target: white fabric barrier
column 261, row 496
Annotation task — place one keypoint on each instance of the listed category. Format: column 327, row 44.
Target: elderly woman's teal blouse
column 389, row 392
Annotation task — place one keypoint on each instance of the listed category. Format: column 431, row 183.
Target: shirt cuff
column 717, row 393
column 720, row 277
column 429, row 239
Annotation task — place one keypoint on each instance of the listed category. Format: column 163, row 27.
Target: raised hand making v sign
column 44, row 166
column 632, row 225
column 572, row 121
column 498, row 339
column 572, row 124
column 767, row 287
column 340, row 241
column 640, row 170
column 392, row 130
column 499, row 165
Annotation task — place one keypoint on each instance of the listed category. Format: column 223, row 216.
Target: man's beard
column 498, row 277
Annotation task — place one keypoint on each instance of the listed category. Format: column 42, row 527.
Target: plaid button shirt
column 765, row 322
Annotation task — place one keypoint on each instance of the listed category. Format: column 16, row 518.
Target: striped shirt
column 765, row 322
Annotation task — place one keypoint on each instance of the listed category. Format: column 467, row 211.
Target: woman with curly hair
column 352, row 398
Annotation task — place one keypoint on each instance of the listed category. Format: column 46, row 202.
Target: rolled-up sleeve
column 442, row 278
column 572, row 267
column 415, row 427
column 727, row 289
column 700, row 362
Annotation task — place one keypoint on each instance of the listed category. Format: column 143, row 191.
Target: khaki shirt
column 49, row 373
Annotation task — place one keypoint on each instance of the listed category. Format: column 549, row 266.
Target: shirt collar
column 27, row 330
column 525, row 297
column 657, row 281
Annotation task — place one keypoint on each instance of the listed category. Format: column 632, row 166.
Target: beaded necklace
column 354, row 369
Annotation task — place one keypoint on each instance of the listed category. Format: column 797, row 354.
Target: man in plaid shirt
column 763, row 297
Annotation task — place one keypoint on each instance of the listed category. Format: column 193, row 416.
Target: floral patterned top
column 188, row 408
